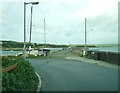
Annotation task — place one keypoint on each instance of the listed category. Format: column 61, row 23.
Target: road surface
column 70, row 75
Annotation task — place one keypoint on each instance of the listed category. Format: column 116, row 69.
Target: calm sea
column 107, row 49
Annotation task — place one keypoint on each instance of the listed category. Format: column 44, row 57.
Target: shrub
column 22, row 78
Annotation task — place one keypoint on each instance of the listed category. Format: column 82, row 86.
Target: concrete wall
column 110, row 57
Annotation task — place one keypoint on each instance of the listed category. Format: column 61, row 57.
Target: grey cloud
column 61, row 26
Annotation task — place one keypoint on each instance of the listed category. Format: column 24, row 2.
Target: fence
column 9, row 68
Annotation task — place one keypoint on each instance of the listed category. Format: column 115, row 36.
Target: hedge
column 22, row 78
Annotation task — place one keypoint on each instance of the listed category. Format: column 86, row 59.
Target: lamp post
column 33, row 3
column 24, row 30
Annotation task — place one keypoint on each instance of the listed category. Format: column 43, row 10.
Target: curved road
column 71, row 75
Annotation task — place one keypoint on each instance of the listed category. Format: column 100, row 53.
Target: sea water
column 107, row 49
column 11, row 52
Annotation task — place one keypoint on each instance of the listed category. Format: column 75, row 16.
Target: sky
column 65, row 21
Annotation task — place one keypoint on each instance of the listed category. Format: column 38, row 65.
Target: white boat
column 33, row 52
column 19, row 54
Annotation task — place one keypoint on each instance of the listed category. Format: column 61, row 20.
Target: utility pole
column 85, row 34
column 30, row 29
column 44, row 33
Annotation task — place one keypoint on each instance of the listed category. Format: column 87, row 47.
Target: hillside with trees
column 14, row 44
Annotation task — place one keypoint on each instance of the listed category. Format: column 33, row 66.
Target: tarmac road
column 70, row 75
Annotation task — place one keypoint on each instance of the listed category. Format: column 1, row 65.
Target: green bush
column 22, row 78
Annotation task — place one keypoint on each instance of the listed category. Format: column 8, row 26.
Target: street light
column 33, row 3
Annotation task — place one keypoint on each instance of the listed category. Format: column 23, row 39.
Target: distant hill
column 14, row 44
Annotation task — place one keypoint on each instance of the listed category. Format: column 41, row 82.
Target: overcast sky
column 65, row 20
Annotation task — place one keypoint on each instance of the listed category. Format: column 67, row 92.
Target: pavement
column 91, row 61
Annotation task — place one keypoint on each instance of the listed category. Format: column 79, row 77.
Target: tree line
column 14, row 44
